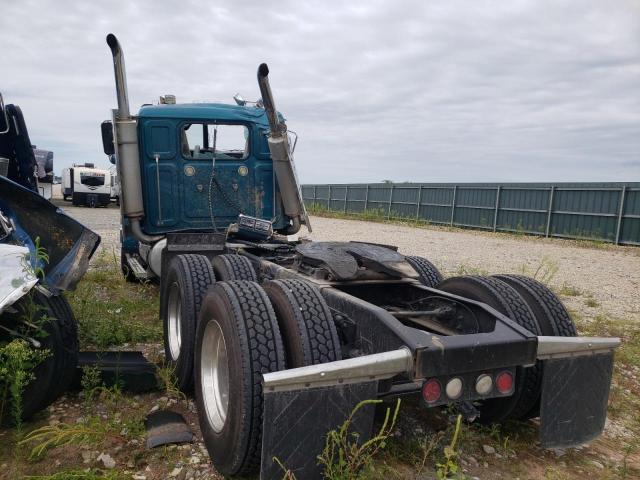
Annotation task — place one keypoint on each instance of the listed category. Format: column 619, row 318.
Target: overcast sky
column 456, row 91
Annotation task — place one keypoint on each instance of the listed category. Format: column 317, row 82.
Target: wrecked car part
column 165, row 427
column 17, row 278
column 68, row 244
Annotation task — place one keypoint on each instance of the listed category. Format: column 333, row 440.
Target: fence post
column 549, row 211
column 495, row 213
column 315, row 194
column 366, row 198
column 390, row 202
column 346, row 195
column 329, row 199
column 418, row 205
column 620, row 213
column 453, row 204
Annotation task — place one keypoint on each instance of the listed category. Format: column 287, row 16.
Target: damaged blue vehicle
column 43, row 252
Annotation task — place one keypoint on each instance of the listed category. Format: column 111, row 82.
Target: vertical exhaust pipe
column 121, row 76
column 126, row 136
column 282, row 161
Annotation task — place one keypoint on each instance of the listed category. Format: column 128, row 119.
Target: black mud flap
column 130, row 370
column 575, row 392
column 295, row 424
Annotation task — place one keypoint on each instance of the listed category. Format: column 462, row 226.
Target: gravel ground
column 605, row 279
column 607, row 274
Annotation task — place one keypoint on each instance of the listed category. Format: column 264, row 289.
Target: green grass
column 591, row 302
column 111, row 311
column 568, row 291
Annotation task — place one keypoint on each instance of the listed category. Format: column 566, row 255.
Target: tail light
column 431, row 390
column 484, row 384
column 504, row 382
column 453, row 388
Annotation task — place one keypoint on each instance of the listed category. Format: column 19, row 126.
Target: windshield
column 231, row 142
column 92, row 179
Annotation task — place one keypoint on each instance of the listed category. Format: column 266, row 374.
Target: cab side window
column 204, row 141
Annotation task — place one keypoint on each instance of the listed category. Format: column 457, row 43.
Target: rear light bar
column 431, row 391
column 504, row 383
column 471, row 386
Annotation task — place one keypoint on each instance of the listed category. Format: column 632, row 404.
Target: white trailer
column 86, row 185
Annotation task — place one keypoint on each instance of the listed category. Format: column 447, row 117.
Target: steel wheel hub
column 214, row 374
column 174, row 311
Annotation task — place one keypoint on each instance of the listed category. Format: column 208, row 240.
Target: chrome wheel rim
column 214, row 374
column 174, row 314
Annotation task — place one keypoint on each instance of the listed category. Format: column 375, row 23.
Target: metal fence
column 608, row 212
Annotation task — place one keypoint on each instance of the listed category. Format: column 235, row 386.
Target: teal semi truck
column 280, row 338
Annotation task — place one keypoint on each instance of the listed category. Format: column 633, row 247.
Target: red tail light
column 504, row 382
column 431, row 390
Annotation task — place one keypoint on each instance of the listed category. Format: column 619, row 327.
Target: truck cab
column 199, row 168
column 204, row 164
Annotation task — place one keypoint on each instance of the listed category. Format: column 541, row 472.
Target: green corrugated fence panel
column 578, row 210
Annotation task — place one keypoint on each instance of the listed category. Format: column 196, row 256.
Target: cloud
column 422, row 91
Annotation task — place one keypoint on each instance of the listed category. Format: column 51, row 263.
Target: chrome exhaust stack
column 281, row 156
column 128, row 157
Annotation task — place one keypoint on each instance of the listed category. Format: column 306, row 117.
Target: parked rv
column 86, row 185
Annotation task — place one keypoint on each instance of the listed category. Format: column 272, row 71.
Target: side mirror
column 107, row 137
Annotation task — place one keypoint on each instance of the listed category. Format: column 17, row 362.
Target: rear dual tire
column 244, row 332
column 531, row 305
column 506, row 300
column 233, row 267
column 428, row 274
column 550, row 314
column 238, row 340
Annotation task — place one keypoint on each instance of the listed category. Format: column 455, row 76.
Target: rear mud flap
column 295, row 424
column 575, row 392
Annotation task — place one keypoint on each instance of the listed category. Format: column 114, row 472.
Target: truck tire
column 551, row 315
column 183, row 288
column 238, row 340
column 429, row 275
column 509, row 302
column 55, row 373
column 233, row 267
column 309, row 334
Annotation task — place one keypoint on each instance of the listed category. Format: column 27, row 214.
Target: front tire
column 238, row 340
column 183, row 288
